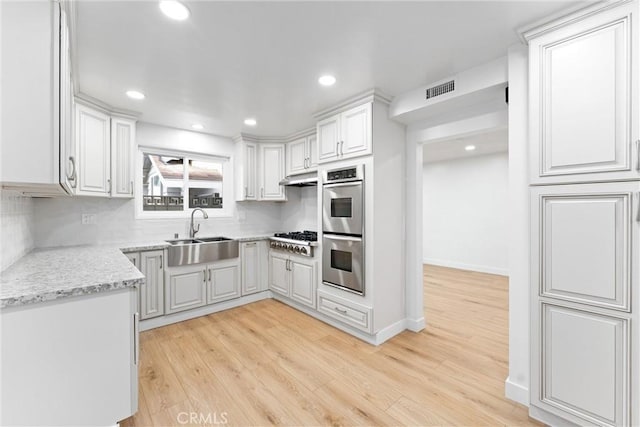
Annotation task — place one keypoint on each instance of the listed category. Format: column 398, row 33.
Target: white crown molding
column 83, row 98
column 246, row 137
column 354, row 101
column 565, row 17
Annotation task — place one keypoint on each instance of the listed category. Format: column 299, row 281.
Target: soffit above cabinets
column 233, row 60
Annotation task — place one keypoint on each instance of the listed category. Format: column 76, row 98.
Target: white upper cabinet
column 328, row 139
column 259, row 168
column 272, row 171
column 105, row 147
column 37, row 150
column 584, row 104
column 302, row 155
column 356, row 131
column 246, row 168
column 312, row 152
column 68, row 172
column 297, row 156
column 345, row 135
column 94, row 151
column 122, row 156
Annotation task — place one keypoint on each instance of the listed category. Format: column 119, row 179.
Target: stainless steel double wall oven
column 343, row 229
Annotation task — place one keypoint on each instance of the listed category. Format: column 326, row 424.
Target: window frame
column 227, row 185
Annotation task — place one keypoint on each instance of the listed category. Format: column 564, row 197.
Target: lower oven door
column 343, row 262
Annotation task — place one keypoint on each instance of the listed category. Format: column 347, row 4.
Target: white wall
column 300, row 212
column 517, row 385
column 16, row 227
column 465, row 213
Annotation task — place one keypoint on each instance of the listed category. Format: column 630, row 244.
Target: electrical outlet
column 89, row 219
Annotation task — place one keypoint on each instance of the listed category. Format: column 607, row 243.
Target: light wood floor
column 266, row 363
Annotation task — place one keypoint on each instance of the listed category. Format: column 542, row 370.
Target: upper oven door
column 342, row 208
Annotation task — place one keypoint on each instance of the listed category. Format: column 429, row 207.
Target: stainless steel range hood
column 302, row 180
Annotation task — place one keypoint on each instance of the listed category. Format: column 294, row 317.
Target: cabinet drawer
column 349, row 312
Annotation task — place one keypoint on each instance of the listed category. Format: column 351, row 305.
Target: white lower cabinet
column 223, row 281
column 254, row 266
column 293, row 277
column 584, row 362
column 196, row 285
column 186, row 288
column 73, row 361
column 279, row 274
column 152, row 292
column 351, row 313
column 585, row 242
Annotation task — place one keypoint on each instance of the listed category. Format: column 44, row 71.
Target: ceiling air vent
column 441, row 89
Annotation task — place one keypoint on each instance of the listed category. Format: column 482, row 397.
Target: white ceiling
column 490, row 142
column 233, row 60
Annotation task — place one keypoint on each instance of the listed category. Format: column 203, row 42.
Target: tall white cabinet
column 585, row 213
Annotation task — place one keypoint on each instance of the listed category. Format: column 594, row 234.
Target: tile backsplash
column 59, row 222
column 16, row 227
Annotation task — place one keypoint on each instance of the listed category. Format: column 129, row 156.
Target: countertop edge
column 53, row 295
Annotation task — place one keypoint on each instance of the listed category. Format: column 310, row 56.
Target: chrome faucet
column 193, row 229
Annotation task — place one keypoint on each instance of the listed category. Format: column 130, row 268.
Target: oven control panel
column 348, row 174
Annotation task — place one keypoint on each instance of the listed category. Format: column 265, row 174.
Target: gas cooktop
column 306, row 236
column 297, row 242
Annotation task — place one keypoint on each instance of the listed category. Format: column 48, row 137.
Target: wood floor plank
column 268, row 364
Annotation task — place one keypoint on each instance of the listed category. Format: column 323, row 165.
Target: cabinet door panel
column 312, row 153
column 152, row 292
column 279, row 274
column 250, row 268
column 250, row 171
column 328, row 139
column 68, row 172
column 297, row 156
column 93, row 138
column 272, row 172
column 585, row 364
column 303, row 283
column 356, row 130
column 582, row 119
column 122, row 146
column 585, row 243
column 223, row 283
column 186, row 289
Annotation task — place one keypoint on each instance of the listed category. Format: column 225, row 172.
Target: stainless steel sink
column 179, row 242
column 198, row 251
column 214, row 239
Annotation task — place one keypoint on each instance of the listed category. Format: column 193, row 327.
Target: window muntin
column 169, row 179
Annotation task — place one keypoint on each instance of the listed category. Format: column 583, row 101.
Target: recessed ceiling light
column 174, row 9
column 470, row 147
column 250, row 122
column 197, row 126
column 327, row 80
column 134, row 94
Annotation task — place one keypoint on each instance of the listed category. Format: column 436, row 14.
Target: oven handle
column 343, row 238
column 353, row 183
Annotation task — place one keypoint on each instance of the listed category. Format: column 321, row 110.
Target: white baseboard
column 157, row 322
column 415, row 325
column 516, row 392
column 465, row 266
column 390, row 331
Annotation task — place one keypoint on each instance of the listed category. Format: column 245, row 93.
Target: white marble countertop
column 50, row 274
column 54, row 273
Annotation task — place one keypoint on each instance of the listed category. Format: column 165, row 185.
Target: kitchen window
column 172, row 184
